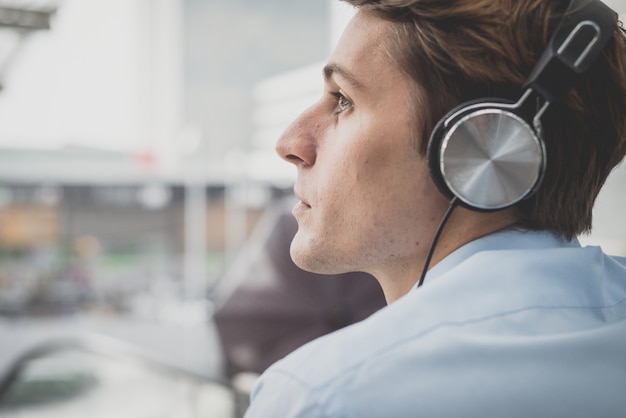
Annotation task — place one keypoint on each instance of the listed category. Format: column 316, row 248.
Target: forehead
column 361, row 56
column 364, row 30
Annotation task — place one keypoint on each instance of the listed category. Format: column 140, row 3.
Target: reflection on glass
column 74, row 383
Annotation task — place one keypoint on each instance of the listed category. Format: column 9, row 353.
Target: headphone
column 488, row 154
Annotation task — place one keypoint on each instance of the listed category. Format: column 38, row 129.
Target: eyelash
column 339, row 98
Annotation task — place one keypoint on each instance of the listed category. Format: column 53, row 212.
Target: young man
column 514, row 319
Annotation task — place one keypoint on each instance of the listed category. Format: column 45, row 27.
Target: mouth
column 302, row 201
column 300, row 207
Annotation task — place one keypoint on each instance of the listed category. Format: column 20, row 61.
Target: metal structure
column 26, row 19
column 18, row 20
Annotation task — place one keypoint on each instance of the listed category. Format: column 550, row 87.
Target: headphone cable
column 433, row 245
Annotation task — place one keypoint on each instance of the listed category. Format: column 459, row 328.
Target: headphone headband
column 581, row 36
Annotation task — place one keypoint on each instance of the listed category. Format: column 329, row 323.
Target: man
column 514, row 319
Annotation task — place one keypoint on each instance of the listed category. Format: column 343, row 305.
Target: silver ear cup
column 491, row 159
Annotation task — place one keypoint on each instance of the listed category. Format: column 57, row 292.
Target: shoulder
column 324, row 375
column 477, row 320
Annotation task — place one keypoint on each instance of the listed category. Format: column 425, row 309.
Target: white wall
column 618, row 5
column 107, row 75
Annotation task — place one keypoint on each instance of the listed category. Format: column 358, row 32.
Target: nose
column 298, row 143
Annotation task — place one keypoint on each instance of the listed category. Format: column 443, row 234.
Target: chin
column 312, row 258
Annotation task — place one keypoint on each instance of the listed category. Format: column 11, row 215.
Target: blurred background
column 144, row 217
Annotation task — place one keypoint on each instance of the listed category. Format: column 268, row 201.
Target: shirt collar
column 507, row 239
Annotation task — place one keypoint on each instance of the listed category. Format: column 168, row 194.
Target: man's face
column 367, row 201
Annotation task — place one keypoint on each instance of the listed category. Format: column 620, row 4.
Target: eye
column 343, row 103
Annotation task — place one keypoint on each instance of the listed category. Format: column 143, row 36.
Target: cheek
column 370, row 163
column 387, row 158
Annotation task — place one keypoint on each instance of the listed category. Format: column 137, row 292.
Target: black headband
column 581, row 36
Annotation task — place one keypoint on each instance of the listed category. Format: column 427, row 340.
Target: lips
column 301, row 207
column 302, row 200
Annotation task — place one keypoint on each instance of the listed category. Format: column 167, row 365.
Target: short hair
column 459, row 50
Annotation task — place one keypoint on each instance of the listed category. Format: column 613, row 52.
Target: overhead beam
column 30, row 20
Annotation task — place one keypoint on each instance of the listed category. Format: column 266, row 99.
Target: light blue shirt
column 515, row 324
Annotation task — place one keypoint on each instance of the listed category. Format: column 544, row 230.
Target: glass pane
column 74, row 383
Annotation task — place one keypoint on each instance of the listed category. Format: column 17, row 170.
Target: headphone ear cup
column 433, row 153
column 485, row 154
column 438, row 133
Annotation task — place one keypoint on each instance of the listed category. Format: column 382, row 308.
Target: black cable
column 429, row 256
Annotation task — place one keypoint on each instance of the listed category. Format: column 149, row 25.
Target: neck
column 463, row 227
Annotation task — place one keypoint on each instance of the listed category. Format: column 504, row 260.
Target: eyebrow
column 331, row 69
